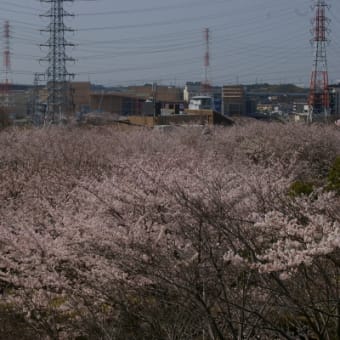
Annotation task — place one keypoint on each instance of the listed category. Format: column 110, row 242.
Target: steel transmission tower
column 206, row 85
column 6, row 86
column 319, row 93
column 57, row 77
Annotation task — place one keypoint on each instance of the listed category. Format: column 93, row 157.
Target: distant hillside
column 288, row 88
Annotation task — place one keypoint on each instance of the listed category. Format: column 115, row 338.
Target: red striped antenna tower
column 319, row 102
column 206, row 85
column 6, row 85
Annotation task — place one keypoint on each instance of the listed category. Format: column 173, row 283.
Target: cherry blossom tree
column 186, row 234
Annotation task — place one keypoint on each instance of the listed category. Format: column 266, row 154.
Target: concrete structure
column 334, row 92
column 196, row 117
column 20, row 100
column 193, row 89
column 201, row 103
column 301, row 117
column 81, row 93
column 168, row 94
column 300, row 107
column 265, row 108
column 234, row 101
column 117, row 103
column 301, row 112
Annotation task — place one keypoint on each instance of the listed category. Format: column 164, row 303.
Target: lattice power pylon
column 319, row 93
column 58, row 78
column 6, row 84
column 206, row 84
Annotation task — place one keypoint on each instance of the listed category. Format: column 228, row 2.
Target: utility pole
column 154, row 98
column 319, row 92
column 57, row 77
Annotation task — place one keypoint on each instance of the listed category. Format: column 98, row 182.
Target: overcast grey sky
column 134, row 41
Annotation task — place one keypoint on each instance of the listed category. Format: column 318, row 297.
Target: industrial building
column 236, row 102
column 81, row 94
column 334, row 92
column 193, row 89
column 125, row 101
column 166, row 94
column 18, row 99
column 116, row 103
